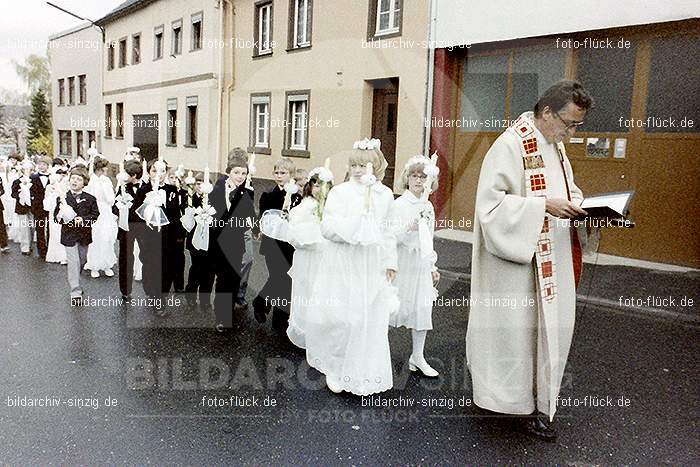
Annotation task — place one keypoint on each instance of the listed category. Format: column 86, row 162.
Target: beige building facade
column 161, row 68
column 312, row 77
column 76, row 87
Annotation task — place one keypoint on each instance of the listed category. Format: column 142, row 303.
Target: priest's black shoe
column 539, row 426
column 260, row 309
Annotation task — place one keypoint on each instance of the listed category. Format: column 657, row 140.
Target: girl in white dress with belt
column 101, row 255
column 348, row 317
column 308, row 242
column 412, row 219
column 56, row 253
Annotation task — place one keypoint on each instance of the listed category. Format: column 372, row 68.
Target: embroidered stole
column 536, row 185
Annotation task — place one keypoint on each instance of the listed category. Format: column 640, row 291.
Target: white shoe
column 137, row 278
column 94, row 274
column 333, row 385
column 109, row 273
column 423, row 366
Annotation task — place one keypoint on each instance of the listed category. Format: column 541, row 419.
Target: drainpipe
column 428, row 112
column 220, row 84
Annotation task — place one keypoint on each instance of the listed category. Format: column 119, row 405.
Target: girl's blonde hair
column 364, row 156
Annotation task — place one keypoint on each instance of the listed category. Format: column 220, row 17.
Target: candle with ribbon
column 123, row 200
column 251, row 172
column 431, row 171
column 368, row 179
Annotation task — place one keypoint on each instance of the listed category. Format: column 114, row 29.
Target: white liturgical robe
column 516, row 367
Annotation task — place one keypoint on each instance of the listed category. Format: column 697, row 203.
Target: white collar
column 411, row 198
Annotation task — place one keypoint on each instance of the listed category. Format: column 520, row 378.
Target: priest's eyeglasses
column 568, row 124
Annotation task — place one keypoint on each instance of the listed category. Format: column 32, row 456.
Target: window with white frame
column 172, row 123
column 191, row 103
column 385, row 17
column 263, row 28
column 177, row 38
column 82, row 89
column 196, row 38
column 158, row 42
column 71, row 90
column 61, row 91
column 297, row 121
column 260, row 121
column 301, row 23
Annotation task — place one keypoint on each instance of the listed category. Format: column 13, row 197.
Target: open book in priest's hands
column 607, row 210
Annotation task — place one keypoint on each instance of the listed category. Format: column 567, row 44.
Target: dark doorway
column 146, row 135
column 384, row 121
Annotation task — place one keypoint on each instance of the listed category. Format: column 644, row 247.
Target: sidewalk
column 627, row 289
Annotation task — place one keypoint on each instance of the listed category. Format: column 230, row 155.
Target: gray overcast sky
column 25, row 27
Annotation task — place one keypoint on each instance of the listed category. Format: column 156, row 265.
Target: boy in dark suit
column 278, row 255
column 126, row 237
column 200, row 279
column 153, row 242
column 175, row 262
column 39, row 181
column 76, row 217
column 3, row 230
column 235, row 213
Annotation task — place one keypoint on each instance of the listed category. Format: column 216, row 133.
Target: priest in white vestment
column 523, row 292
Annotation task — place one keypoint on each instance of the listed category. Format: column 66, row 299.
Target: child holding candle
column 200, row 279
column 306, row 238
column 348, row 317
column 23, row 207
column 159, row 205
column 76, row 212
column 101, row 255
column 57, row 187
column 412, row 219
column 130, row 224
column 234, row 214
column 276, row 293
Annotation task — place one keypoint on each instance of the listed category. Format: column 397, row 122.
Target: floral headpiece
column 429, row 168
column 367, row 144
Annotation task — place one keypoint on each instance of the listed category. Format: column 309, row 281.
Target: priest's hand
column 390, row 275
column 560, row 207
column 436, row 277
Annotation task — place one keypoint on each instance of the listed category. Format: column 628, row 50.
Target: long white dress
column 507, row 349
column 348, row 317
column 101, row 255
column 414, row 279
column 55, row 253
column 308, row 242
column 11, row 217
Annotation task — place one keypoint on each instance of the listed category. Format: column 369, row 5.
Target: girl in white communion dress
column 412, row 219
column 348, row 317
column 101, row 255
column 305, row 236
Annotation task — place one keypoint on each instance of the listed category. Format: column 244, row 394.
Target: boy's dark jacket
column 226, row 235
column 85, row 206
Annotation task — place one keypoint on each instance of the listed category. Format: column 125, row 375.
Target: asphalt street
column 118, row 385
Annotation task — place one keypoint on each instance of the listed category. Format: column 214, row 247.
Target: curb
column 610, row 305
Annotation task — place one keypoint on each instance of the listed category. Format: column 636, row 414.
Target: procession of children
column 345, row 261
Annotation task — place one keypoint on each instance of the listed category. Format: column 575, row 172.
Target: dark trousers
column 174, row 265
column 151, row 254
column 201, row 275
column 126, row 259
column 41, row 222
column 3, row 230
column 228, row 279
column 277, row 291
